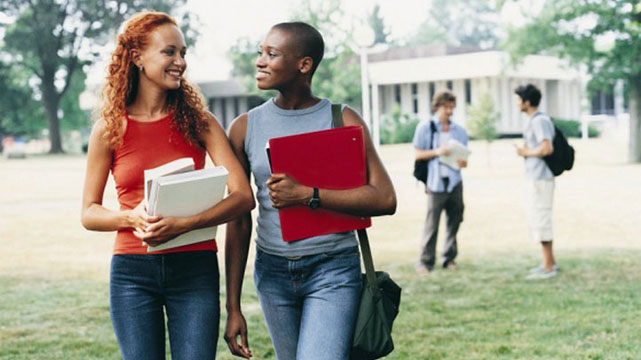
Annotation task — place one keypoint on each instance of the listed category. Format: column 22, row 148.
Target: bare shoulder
column 238, row 128
column 352, row 117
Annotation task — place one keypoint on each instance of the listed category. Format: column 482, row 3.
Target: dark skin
column 280, row 67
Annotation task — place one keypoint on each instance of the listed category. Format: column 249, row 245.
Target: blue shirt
column 423, row 139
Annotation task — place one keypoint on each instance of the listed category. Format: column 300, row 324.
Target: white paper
column 458, row 151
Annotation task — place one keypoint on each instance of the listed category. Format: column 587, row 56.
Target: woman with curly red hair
column 151, row 115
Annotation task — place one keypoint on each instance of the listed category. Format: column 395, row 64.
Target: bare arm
column 422, row 154
column 236, row 249
column 544, row 149
column 94, row 216
column 377, row 197
column 240, row 199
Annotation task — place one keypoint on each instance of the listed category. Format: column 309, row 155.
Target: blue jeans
column 185, row 284
column 310, row 303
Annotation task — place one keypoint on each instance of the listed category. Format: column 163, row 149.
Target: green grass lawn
column 483, row 310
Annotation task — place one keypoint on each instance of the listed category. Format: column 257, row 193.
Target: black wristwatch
column 314, row 202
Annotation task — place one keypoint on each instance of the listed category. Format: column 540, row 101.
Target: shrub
column 398, row 127
column 572, row 128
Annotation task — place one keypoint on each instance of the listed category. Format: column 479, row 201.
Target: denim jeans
column 185, row 285
column 310, row 303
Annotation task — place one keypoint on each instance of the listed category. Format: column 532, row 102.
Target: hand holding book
column 175, row 193
column 285, row 191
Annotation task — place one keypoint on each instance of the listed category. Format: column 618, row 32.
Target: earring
column 140, row 68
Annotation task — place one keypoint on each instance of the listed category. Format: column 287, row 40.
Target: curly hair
column 190, row 116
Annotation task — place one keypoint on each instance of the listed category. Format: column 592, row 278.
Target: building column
column 376, row 116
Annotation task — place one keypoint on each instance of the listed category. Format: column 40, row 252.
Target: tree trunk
column 634, row 150
column 51, row 100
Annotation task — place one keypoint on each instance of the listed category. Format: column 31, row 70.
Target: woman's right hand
column 139, row 219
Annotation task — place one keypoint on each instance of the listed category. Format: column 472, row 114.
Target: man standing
column 444, row 186
column 538, row 136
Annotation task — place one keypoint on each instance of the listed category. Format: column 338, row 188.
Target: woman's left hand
column 161, row 231
column 285, row 191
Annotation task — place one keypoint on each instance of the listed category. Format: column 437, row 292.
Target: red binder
column 328, row 159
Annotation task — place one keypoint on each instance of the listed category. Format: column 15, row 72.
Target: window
column 397, row 93
column 415, row 98
column 449, row 84
column 468, row 91
column 236, row 107
column 603, row 103
column 431, row 95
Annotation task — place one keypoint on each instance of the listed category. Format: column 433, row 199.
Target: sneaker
column 545, row 274
column 450, row 266
column 541, row 269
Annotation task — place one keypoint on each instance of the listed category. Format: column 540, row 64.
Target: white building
column 410, row 77
column 227, row 99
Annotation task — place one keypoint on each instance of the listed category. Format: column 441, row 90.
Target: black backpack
column 420, row 166
column 562, row 158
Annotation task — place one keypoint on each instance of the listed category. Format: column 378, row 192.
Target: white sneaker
column 541, row 269
column 545, row 274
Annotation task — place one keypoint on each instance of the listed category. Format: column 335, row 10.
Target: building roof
column 467, row 65
column 421, row 51
column 223, row 88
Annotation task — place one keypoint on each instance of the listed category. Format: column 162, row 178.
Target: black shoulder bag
column 420, row 166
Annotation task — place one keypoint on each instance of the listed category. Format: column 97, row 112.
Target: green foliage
column 20, row 114
column 459, row 23
column 482, row 119
column 72, row 116
column 606, row 36
column 572, row 128
column 376, row 22
column 397, row 127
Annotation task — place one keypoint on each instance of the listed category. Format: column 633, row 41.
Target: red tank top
column 147, row 145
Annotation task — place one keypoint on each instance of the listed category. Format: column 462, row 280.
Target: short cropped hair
column 529, row 93
column 307, row 40
column 441, row 98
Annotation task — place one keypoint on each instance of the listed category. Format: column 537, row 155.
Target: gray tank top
column 268, row 121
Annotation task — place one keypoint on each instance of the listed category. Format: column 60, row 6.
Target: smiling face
column 163, row 59
column 277, row 64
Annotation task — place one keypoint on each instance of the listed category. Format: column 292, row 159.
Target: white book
column 187, row 194
column 458, row 151
column 173, row 167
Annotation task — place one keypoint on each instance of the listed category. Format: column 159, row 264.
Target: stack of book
column 175, row 189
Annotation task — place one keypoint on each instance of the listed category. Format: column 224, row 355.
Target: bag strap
column 337, row 115
column 368, row 261
column 432, row 131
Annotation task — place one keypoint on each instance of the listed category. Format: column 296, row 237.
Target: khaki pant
column 453, row 205
column 540, row 196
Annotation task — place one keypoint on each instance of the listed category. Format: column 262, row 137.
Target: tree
column 604, row 35
column 459, row 23
column 20, row 114
column 52, row 40
column 376, row 22
column 482, row 118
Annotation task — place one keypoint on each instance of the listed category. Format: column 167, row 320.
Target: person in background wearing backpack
column 444, row 185
column 538, row 136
